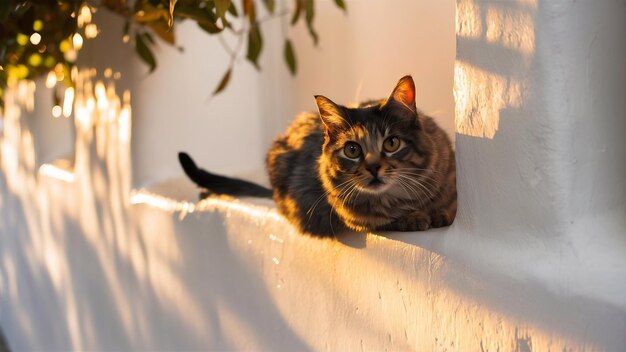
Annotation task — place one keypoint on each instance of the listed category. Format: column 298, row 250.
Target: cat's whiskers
column 354, row 192
column 428, row 181
column 400, row 183
column 433, row 182
column 347, row 196
column 417, row 169
column 325, row 194
column 340, row 187
column 408, row 182
column 375, row 191
column 423, row 186
column 332, row 205
column 355, row 187
column 417, row 183
column 428, row 192
column 414, row 195
column 421, row 177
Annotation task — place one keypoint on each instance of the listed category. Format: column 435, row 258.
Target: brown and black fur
column 322, row 191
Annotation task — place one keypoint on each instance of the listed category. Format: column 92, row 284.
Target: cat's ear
column 331, row 113
column 404, row 93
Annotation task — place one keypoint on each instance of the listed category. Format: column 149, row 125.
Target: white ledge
column 444, row 273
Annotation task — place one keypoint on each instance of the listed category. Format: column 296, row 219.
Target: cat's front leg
column 415, row 221
column 441, row 218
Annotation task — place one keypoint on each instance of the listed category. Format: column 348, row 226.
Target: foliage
column 42, row 36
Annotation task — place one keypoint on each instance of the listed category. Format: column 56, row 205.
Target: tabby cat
column 380, row 166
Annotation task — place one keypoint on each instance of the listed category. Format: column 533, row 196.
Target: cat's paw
column 419, row 225
column 441, row 219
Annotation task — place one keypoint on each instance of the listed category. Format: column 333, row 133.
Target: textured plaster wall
column 534, row 261
column 540, row 118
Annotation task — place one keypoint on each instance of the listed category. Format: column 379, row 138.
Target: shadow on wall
column 503, row 32
column 82, row 269
column 501, row 137
column 4, row 346
column 515, row 304
column 418, row 299
column 526, row 87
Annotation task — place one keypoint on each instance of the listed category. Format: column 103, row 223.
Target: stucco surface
column 89, row 264
column 534, row 261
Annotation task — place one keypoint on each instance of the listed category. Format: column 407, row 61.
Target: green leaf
column 290, row 57
column 255, row 45
column 341, row 4
column 148, row 37
column 161, row 29
column 126, row 27
column 223, row 82
column 210, row 28
column 309, row 9
column 210, row 14
column 270, row 5
column 297, row 12
column 233, row 9
column 199, row 15
column 203, row 17
column 221, row 6
column 150, row 14
column 225, row 23
column 144, row 52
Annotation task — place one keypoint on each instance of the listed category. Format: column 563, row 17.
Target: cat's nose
column 373, row 168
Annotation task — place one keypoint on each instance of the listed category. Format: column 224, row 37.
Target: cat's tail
column 217, row 184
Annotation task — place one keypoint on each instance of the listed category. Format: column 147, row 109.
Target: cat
column 382, row 166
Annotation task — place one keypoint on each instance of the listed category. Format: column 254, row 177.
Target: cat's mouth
column 375, row 186
column 375, row 182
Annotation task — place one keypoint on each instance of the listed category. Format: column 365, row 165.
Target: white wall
column 173, row 106
column 534, row 260
column 539, row 110
column 361, row 56
column 540, row 145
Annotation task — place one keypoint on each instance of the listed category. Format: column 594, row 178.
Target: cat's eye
column 352, row 150
column 391, row 144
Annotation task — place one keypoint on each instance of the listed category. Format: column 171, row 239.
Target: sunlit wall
column 534, row 260
column 538, row 89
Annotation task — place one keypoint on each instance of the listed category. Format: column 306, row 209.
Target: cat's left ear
column 404, row 93
column 331, row 113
